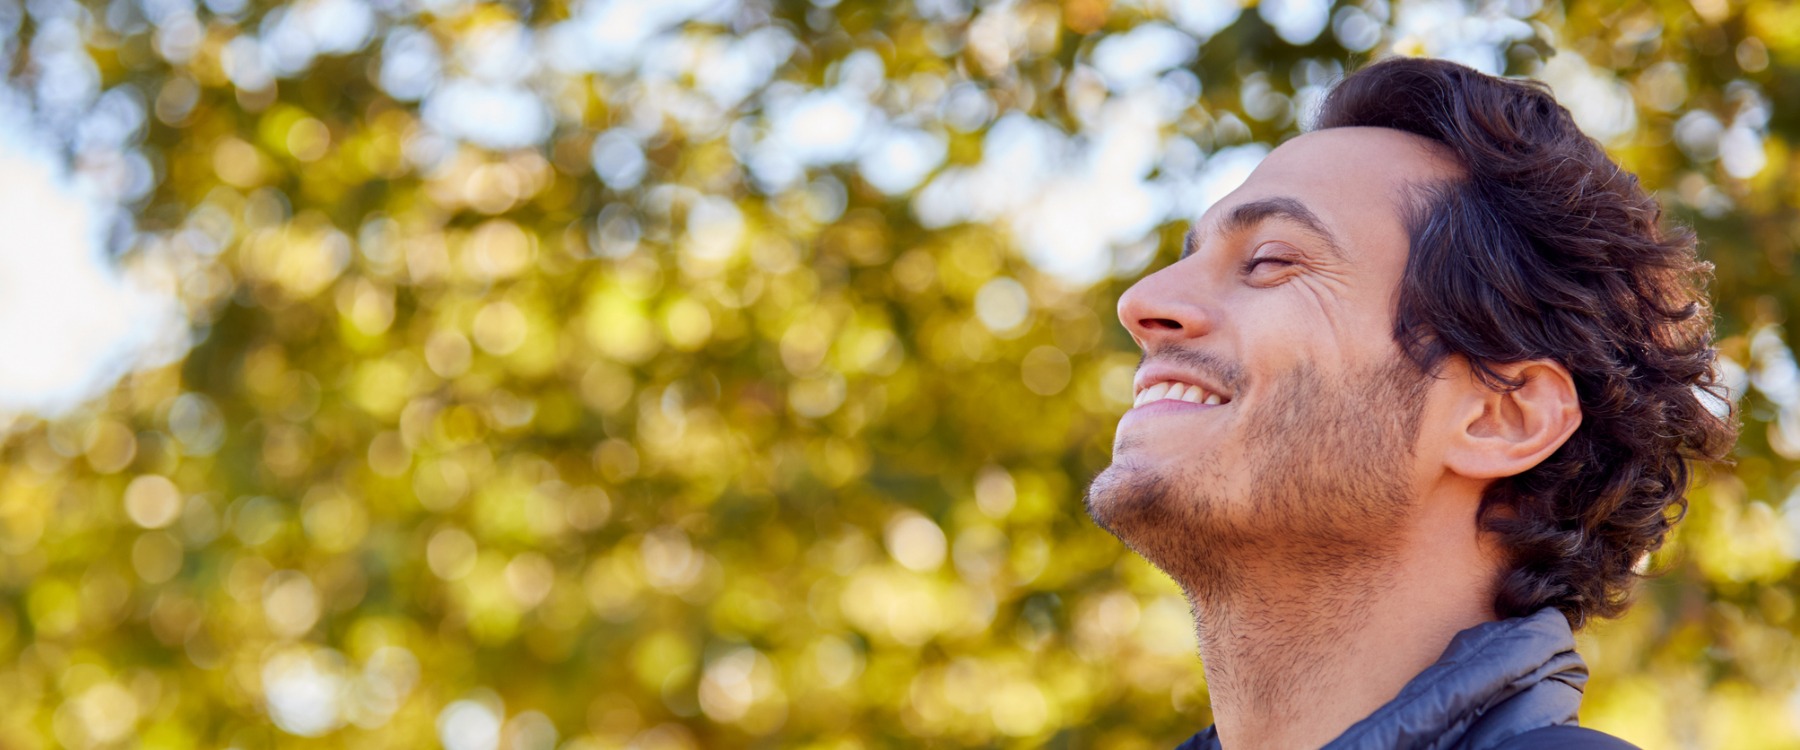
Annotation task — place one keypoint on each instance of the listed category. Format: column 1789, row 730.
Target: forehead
column 1353, row 179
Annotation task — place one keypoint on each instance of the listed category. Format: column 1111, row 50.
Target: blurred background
column 725, row 373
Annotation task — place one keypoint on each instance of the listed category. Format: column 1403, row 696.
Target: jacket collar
column 1495, row 680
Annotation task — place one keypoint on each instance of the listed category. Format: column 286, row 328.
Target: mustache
column 1228, row 373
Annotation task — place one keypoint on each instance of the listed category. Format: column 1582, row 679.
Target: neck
column 1299, row 644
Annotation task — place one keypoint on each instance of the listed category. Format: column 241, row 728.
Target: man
column 1418, row 399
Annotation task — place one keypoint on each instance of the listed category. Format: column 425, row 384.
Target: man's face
column 1274, row 406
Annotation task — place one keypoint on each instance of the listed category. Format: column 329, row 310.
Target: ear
column 1501, row 433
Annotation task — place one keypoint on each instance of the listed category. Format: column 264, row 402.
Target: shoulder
column 1565, row 738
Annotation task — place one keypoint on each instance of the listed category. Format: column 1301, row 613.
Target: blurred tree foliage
column 717, row 374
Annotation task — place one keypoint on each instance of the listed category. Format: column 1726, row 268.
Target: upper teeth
column 1170, row 389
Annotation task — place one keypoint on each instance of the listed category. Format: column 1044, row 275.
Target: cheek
column 1288, row 325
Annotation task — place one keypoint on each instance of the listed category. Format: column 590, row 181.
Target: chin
column 1171, row 519
column 1136, row 501
column 1105, row 494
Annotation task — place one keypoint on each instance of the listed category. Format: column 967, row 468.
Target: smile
column 1172, row 390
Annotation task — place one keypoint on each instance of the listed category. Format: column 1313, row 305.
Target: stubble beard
column 1329, row 461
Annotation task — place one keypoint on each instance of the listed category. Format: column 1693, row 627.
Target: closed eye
column 1254, row 263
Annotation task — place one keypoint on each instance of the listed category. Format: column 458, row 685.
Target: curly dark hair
column 1547, row 249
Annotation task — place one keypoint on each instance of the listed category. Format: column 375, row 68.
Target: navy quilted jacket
column 1496, row 682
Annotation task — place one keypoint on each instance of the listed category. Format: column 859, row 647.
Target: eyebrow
column 1248, row 215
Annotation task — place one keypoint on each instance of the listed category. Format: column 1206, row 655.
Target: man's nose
column 1164, row 308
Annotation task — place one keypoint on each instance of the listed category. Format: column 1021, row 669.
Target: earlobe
column 1505, row 432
